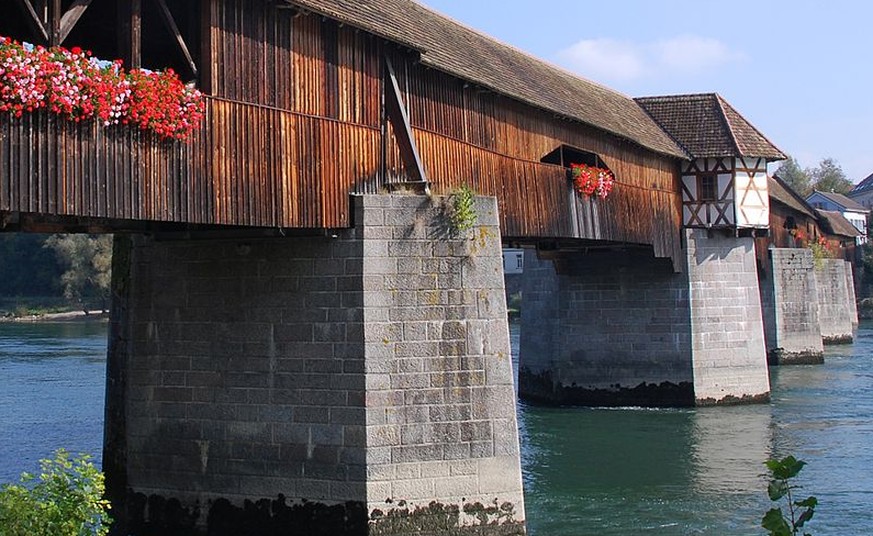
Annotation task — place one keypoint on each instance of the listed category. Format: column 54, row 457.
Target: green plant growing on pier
column 66, row 499
column 463, row 215
column 822, row 250
column 780, row 487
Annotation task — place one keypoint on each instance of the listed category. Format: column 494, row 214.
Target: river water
column 586, row 471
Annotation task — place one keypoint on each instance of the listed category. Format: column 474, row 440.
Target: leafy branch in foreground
column 799, row 511
column 66, row 500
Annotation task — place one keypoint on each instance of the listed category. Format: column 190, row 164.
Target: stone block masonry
column 836, row 305
column 789, row 298
column 356, row 384
column 605, row 330
column 727, row 329
column 620, row 328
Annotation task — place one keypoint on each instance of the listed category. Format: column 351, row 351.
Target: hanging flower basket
column 76, row 86
column 592, row 181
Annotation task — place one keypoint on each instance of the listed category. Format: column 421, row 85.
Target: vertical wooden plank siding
column 249, row 165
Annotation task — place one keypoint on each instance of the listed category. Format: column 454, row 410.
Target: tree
column 88, row 261
column 796, row 177
column 829, row 177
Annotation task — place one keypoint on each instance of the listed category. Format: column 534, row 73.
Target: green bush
column 65, row 500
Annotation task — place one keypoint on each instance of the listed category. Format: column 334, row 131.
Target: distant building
column 849, row 208
column 862, row 193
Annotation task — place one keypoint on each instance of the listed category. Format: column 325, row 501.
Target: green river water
column 586, row 471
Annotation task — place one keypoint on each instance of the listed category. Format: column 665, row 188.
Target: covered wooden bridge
column 294, row 349
column 308, row 102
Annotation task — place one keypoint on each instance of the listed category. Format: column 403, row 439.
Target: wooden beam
column 70, row 18
column 206, row 59
column 55, row 23
column 130, row 34
column 402, row 129
column 33, row 20
column 174, row 29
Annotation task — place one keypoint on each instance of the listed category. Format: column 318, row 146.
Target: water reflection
column 728, row 447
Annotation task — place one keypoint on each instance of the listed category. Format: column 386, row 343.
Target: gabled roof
column 706, row 126
column 863, row 186
column 841, row 200
column 780, row 191
column 835, row 223
column 455, row 49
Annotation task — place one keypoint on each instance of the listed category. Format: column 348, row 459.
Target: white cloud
column 613, row 60
column 691, row 53
column 616, row 59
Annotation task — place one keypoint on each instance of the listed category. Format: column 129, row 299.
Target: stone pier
column 837, row 310
column 356, row 382
column 789, row 298
column 622, row 329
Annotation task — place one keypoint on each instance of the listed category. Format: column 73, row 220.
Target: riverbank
column 65, row 316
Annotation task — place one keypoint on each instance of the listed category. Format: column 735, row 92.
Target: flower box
column 75, row 85
column 592, row 181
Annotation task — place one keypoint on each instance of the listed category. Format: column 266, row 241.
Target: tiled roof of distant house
column 455, row 49
column 843, row 201
column 863, row 186
column 705, row 125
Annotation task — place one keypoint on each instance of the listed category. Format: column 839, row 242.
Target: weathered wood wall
column 295, row 125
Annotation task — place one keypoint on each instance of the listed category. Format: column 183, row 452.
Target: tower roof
column 705, row 125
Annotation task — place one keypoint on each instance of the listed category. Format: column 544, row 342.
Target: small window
column 707, row 188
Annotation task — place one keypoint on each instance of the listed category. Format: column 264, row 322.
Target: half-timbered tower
column 724, row 185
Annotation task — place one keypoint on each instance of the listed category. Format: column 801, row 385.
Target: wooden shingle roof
column 453, row 48
column 782, row 193
column 706, row 126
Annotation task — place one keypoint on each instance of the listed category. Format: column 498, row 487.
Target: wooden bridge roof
column 781, row 192
column 706, row 126
column 453, row 48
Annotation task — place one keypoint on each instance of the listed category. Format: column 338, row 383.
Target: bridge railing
column 249, row 165
column 255, row 165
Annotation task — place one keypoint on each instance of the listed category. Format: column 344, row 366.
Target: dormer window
column 565, row 155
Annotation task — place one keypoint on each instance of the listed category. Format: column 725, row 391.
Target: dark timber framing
column 402, row 129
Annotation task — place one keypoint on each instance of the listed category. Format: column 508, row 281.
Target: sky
column 801, row 71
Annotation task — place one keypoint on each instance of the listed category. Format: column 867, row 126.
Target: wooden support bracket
column 402, row 129
column 167, row 15
column 36, row 23
column 70, row 18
